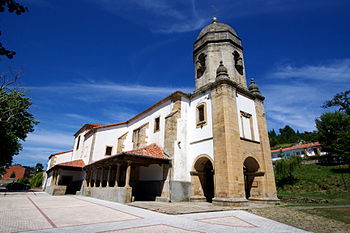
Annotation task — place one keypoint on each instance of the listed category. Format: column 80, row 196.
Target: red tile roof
column 62, row 152
column 75, row 163
column 302, row 146
column 152, row 150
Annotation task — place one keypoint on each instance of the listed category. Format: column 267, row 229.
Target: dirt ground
column 302, row 220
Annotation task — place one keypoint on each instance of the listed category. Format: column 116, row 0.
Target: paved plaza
column 40, row 212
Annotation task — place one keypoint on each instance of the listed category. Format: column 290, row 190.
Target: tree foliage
column 334, row 134
column 284, row 170
column 340, row 100
column 15, row 121
column 11, row 6
column 39, row 167
column 288, row 135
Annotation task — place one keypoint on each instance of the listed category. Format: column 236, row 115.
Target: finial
column 221, row 72
column 253, row 88
column 214, row 20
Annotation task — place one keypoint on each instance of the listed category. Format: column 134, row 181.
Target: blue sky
column 103, row 61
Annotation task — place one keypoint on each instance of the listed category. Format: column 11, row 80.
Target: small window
column 157, row 124
column 109, row 150
column 78, row 142
column 201, row 115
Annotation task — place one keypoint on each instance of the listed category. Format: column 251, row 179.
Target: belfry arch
column 202, row 179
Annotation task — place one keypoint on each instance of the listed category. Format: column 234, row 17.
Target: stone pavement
column 39, row 212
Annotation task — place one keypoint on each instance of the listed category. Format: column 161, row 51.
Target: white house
column 302, row 150
column 209, row 145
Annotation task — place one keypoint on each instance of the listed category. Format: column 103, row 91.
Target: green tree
column 39, row 167
column 11, row 6
column 285, row 168
column 334, row 134
column 15, row 121
column 340, row 100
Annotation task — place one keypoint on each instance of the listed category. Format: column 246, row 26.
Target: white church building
column 209, row 145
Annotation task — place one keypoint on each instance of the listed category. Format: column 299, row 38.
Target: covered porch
column 65, row 178
column 134, row 175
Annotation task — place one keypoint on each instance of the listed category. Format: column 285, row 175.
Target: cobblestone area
column 39, row 212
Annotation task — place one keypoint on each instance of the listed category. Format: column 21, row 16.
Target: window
column 136, row 138
column 201, row 115
column 247, row 125
column 157, row 124
column 109, row 150
column 78, row 142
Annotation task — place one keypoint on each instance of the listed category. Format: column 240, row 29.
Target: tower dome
column 218, row 42
column 215, row 26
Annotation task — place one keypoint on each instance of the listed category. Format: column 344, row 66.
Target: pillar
column 127, row 176
column 117, row 175
column 108, row 176
column 101, row 179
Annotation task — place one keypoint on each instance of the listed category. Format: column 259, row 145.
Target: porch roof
column 151, row 154
column 72, row 165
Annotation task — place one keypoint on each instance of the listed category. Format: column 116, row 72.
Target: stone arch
column 202, row 179
column 251, row 169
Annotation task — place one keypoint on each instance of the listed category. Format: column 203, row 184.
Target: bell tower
column 217, row 43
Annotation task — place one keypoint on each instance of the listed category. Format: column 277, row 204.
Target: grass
column 339, row 214
column 331, row 183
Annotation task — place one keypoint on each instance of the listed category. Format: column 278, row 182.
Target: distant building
column 17, row 171
column 302, row 150
column 209, row 145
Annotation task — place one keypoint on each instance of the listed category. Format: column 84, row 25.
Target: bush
column 37, row 180
column 284, row 170
column 13, row 175
column 24, row 180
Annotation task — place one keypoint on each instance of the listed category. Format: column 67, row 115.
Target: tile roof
column 152, row 150
column 302, row 146
column 62, row 152
column 74, row 163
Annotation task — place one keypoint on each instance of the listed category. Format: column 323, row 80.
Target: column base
column 230, row 201
column 198, row 199
column 162, row 199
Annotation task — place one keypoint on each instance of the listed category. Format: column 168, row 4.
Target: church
column 210, row 145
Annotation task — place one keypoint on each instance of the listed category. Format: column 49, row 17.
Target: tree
column 334, row 134
column 15, row 120
column 285, row 168
column 39, row 167
column 341, row 100
column 11, row 6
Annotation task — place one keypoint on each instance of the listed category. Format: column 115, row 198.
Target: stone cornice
column 241, row 90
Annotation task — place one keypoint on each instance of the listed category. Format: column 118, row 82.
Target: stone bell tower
column 242, row 158
column 218, row 42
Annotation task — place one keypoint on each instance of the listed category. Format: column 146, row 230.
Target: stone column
column 127, row 175
column 108, row 176
column 58, row 177
column 229, row 180
column 101, row 178
column 117, row 175
column 90, row 177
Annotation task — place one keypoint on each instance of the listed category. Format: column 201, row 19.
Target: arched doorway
column 205, row 172
column 250, row 170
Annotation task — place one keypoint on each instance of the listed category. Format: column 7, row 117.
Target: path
column 39, row 212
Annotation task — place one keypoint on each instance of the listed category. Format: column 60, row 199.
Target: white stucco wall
column 196, row 141
column 61, row 158
column 106, row 137
column 247, row 105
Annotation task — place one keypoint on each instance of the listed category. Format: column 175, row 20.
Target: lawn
column 318, row 185
column 339, row 214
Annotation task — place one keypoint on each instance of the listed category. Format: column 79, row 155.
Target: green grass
column 331, row 183
column 339, row 214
